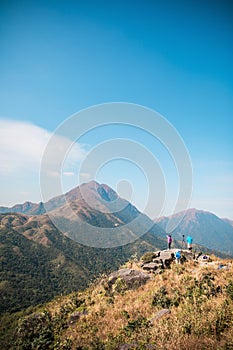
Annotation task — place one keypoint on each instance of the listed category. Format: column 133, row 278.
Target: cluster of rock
column 157, row 261
column 151, row 263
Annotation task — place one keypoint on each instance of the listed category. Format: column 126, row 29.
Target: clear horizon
column 58, row 58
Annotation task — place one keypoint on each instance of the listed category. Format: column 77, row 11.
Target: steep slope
column 206, row 229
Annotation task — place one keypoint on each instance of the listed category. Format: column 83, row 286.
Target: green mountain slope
column 38, row 262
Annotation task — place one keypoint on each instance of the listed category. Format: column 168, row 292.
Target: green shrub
column 148, row 257
column 135, row 325
column 35, row 332
column 161, row 299
column 229, row 289
column 201, row 289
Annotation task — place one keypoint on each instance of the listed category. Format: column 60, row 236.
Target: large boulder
column 125, row 279
column 152, row 266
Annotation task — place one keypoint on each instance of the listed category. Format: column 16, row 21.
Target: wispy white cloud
column 23, row 144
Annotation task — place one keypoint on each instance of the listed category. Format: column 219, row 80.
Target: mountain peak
column 90, row 184
column 92, row 190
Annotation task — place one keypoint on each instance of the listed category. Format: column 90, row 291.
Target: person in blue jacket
column 178, row 256
column 189, row 242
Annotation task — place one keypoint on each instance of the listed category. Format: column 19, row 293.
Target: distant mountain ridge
column 94, row 205
column 97, row 205
column 95, row 189
column 100, row 208
column 28, row 208
column 206, row 228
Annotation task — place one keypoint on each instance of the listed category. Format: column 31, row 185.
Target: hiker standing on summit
column 169, row 241
column 189, row 242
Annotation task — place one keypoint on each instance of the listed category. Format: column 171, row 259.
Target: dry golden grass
column 201, row 312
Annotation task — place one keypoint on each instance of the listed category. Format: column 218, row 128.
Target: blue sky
column 58, row 57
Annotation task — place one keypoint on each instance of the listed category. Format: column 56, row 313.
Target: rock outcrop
column 125, row 279
column 155, row 262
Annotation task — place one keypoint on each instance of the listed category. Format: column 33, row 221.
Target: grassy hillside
column 39, row 262
column 198, row 296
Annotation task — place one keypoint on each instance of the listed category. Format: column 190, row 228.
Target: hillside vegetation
column 199, row 297
column 35, row 270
